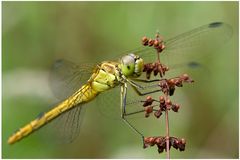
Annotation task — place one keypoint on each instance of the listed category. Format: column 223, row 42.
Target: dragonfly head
column 131, row 65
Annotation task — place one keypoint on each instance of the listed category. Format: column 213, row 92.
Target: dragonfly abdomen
column 84, row 94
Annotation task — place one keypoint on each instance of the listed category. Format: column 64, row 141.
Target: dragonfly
column 125, row 72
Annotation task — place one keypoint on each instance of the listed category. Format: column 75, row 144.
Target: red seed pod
column 175, row 144
column 152, row 141
column 178, row 83
column 158, row 140
column 145, row 67
column 184, row 77
column 183, row 141
column 146, row 139
column 149, row 109
column 181, row 144
column 175, row 107
column 158, row 113
column 150, row 42
column 145, row 41
column 149, row 98
column 171, row 82
column 162, row 46
column 148, row 101
column 160, row 149
column 156, row 43
column 162, row 99
column 168, row 102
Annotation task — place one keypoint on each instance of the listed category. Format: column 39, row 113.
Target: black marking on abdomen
column 215, row 24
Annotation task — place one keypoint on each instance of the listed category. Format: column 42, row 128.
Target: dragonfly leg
column 137, row 88
column 147, row 81
column 123, row 111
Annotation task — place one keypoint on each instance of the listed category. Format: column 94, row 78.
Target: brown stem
column 158, row 57
column 167, row 134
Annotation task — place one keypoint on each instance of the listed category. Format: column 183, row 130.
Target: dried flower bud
column 149, row 109
column 171, row 82
column 158, row 113
column 144, row 39
column 182, row 144
column 178, row 83
column 156, row 43
column 185, row 77
column 148, row 101
column 160, row 149
column 168, row 102
column 175, row 107
column 161, row 143
column 162, row 99
column 175, row 143
column 171, row 90
column 158, row 140
column 150, row 42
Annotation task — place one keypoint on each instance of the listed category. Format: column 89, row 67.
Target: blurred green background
column 34, row 34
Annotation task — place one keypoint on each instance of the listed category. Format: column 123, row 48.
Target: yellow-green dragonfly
column 126, row 71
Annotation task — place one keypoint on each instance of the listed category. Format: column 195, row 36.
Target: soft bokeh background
column 37, row 33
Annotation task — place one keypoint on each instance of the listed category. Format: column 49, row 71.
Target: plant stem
column 167, row 134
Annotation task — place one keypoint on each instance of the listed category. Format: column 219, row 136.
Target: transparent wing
column 190, row 46
column 67, row 77
column 109, row 103
column 68, row 125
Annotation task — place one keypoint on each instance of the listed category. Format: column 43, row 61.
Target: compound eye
column 127, row 65
column 128, row 60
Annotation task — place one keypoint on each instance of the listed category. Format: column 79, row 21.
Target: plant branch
column 167, row 134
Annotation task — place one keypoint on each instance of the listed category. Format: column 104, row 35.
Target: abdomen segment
column 84, row 94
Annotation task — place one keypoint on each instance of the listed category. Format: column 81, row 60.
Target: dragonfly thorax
column 131, row 65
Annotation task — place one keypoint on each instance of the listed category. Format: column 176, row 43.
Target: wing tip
column 215, row 24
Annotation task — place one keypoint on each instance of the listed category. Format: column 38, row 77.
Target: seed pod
column 158, row 113
column 156, row 43
column 150, row 42
column 149, row 109
column 145, row 41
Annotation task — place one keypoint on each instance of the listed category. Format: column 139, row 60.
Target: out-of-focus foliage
column 37, row 33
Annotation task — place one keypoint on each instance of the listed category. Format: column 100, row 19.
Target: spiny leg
column 123, row 110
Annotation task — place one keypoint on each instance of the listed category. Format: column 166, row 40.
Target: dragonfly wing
column 207, row 36
column 190, row 46
column 109, row 104
column 67, row 77
column 68, row 125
